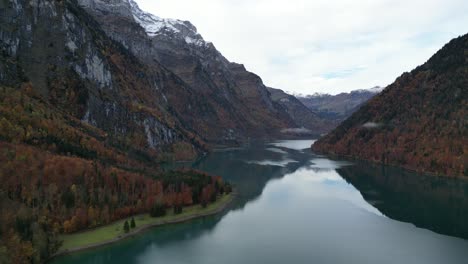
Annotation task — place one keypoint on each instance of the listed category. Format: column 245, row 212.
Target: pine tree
column 126, row 227
column 132, row 223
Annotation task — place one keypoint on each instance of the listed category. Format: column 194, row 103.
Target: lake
column 294, row 206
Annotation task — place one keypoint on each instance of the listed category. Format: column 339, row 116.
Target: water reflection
column 127, row 251
column 435, row 203
column 249, row 169
column 306, row 212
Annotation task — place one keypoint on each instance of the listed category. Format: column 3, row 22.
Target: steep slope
column 337, row 108
column 419, row 122
column 308, row 123
column 83, row 124
column 236, row 103
column 70, row 63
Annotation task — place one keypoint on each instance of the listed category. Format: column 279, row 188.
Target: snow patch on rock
column 152, row 24
column 155, row 26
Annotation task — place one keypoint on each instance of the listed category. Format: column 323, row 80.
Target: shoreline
column 145, row 227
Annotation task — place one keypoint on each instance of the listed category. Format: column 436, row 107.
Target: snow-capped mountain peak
column 151, row 23
column 155, row 25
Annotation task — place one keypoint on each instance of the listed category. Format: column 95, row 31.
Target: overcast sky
column 305, row 46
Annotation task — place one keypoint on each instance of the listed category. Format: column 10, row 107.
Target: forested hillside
column 61, row 175
column 419, row 122
column 84, row 125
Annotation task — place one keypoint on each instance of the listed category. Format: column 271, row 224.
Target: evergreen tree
column 177, row 209
column 132, row 223
column 158, row 210
column 126, row 227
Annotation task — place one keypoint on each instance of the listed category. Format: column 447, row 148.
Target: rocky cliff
column 235, row 103
column 69, row 61
column 150, row 84
column 84, row 123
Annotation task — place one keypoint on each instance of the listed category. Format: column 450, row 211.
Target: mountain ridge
column 84, row 128
column 308, row 122
column 162, row 83
column 418, row 122
column 336, row 108
column 236, row 101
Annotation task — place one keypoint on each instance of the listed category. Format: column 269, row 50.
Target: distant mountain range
column 336, row 108
column 308, row 121
column 419, row 122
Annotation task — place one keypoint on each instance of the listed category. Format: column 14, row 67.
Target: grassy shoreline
column 114, row 232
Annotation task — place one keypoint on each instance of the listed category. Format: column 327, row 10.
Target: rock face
column 419, row 122
column 72, row 64
column 233, row 102
column 151, row 82
column 336, row 108
column 308, row 122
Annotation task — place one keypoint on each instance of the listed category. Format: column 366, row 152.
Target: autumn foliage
column 418, row 122
column 67, row 194
column 60, row 175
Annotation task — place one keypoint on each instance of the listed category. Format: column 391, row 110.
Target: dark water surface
column 297, row 207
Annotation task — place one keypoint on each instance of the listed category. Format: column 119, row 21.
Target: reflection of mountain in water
column 246, row 172
column 434, row 203
column 236, row 166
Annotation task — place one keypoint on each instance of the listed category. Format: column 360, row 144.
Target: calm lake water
column 297, row 207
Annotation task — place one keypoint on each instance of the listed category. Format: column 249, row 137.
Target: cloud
column 305, row 46
column 343, row 73
column 371, row 125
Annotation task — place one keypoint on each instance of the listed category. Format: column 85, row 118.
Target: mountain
column 336, row 108
column 85, row 123
column 62, row 55
column 151, row 84
column 308, row 123
column 223, row 100
column 419, row 122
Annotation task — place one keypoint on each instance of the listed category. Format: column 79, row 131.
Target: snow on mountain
column 155, row 25
column 375, row 89
column 151, row 23
column 338, row 107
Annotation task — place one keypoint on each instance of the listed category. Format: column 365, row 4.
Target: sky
column 324, row 46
